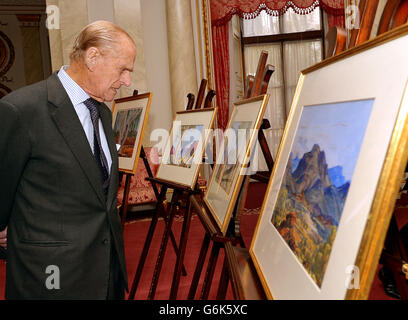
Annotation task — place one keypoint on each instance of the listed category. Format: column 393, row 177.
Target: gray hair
column 103, row 35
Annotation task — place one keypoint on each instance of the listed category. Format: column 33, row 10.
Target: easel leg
column 146, row 246
column 235, row 222
column 176, row 249
column 182, row 251
column 199, row 266
column 223, row 285
column 212, row 262
column 156, row 192
column 125, row 201
column 162, row 250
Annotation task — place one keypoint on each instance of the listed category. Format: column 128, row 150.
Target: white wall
column 157, row 62
column 145, row 21
column 100, row 10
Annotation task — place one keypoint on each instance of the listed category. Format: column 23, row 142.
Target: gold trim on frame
column 388, row 186
column 385, row 37
column 197, row 7
column 284, row 137
column 223, row 225
column 148, row 95
column 208, row 47
column 211, row 126
column 383, row 204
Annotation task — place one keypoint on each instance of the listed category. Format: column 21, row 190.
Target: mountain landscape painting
column 317, row 180
column 184, row 145
column 126, row 129
column 233, row 151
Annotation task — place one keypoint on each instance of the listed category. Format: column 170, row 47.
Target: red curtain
column 223, row 10
column 335, row 20
column 220, row 37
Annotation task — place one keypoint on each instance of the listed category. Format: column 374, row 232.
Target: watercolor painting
column 317, row 179
column 126, row 130
column 232, row 152
column 185, row 144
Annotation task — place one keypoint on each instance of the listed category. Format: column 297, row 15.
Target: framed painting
column 337, row 174
column 184, row 150
column 129, row 117
column 233, row 157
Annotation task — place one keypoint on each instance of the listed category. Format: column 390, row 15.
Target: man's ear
column 91, row 57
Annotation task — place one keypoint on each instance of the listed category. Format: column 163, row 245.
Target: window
column 293, row 42
column 290, row 22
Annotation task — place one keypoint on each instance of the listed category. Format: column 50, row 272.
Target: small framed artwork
column 233, row 157
column 336, row 176
column 129, row 117
column 183, row 153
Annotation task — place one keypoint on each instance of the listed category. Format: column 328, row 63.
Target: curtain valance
column 223, row 10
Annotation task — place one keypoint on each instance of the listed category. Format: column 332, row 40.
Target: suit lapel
column 67, row 121
column 106, row 118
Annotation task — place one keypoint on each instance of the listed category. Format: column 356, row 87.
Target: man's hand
column 3, row 238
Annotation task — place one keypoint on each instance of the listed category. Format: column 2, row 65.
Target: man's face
column 112, row 70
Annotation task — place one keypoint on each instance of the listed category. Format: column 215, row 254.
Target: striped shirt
column 77, row 95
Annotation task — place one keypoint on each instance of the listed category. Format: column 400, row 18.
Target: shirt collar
column 76, row 94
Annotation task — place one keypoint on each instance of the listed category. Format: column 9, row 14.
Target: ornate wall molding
column 7, row 54
column 26, row 3
column 29, row 20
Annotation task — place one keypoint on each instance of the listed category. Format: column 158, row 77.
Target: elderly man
column 59, row 175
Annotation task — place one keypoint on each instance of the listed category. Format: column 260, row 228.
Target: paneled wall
column 24, row 50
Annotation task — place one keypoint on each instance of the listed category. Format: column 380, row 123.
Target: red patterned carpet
column 135, row 233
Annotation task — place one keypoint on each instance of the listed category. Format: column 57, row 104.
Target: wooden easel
column 179, row 192
column 125, row 200
column 236, row 263
column 254, row 86
column 395, row 13
column 213, row 234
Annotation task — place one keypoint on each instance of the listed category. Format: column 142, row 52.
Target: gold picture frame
column 280, row 256
column 227, row 176
column 184, row 149
column 129, row 118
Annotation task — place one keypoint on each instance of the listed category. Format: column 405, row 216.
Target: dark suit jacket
column 51, row 197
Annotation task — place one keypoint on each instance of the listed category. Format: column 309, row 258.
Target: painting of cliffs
column 126, row 129
column 317, row 180
column 185, row 142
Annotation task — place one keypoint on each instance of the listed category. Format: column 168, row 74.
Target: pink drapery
column 222, row 72
column 223, row 10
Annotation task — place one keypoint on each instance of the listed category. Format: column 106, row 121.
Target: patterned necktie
column 100, row 157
